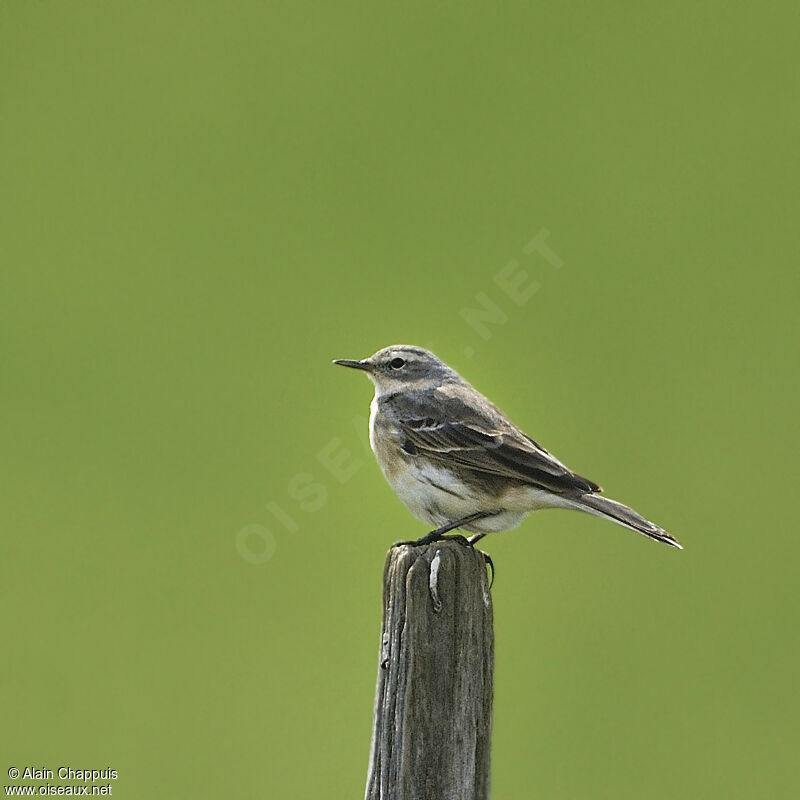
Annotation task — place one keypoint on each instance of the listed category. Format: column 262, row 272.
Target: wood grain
column 433, row 700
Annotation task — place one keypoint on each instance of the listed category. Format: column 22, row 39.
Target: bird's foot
column 429, row 538
column 488, row 561
column 437, row 536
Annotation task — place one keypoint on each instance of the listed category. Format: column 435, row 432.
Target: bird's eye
column 397, row 363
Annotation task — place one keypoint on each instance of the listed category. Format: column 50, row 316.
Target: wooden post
column 433, row 701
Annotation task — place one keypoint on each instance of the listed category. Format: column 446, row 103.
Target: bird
column 458, row 462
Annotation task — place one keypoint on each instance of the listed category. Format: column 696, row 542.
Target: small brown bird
column 457, row 461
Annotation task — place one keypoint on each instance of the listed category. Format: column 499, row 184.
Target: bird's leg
column 435, row 536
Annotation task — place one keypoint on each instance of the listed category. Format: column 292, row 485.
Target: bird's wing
column 506, row 453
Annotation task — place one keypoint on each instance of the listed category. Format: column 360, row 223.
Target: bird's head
column 401, row 367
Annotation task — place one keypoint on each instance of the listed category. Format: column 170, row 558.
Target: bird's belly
column 437, row 496
column 433, row 494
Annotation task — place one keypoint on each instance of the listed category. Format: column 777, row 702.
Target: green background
column 203, row 203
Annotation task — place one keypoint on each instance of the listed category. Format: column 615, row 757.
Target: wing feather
column 494, row 452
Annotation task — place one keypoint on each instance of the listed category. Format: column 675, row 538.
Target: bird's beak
column 347, row 362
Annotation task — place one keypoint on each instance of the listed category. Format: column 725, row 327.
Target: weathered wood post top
column 433, row 701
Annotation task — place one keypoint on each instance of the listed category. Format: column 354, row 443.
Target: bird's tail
column 610, row 509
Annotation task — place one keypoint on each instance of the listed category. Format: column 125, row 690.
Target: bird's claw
column 456, row 537
column 488, row 560
column 432, row 537
column 429, row 538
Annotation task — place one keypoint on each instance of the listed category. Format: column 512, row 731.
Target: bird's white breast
column 373, row 414
column 434, row 493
